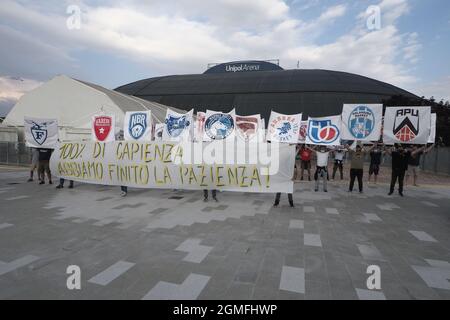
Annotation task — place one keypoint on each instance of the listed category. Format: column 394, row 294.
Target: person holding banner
column 357, row 166
column 305, row 161
column 414, row 162
column 44, row 158
column 375, row 161
column 400, row 157
column 339, row 155
column 213, row 194
column 322, row 154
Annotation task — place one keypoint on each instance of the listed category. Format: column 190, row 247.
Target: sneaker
column 301, row 178
column 325, row 190
column 291, row 204
column 390, row 193
column 215, row 199
column 205, row 199
column 276, row 204
column 401, row 194
column 29, row 180
column 42, row 182
column 361, row 192
column 70, row 186
column 50, row 182
column 123, row 194
column 59, row 186
column 316, row 190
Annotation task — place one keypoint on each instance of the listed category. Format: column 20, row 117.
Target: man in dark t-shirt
column 400, row 157
column 44, row 166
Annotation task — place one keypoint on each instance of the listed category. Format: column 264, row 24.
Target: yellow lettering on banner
column 232, row 176
column 202, row 176
column 156, row 176
column 71, row 150
column 243, row 177
column 99, row 150
column 255, row 176
column 111, row 169
column 167, row 177
column 219, row 182
column 192, row 176
column 168, row 154
column 178, row 154
column 147, row 153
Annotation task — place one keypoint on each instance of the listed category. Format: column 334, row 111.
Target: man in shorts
column 305, row 161
column 44, row 165
column 414, row 162
column 375, row 161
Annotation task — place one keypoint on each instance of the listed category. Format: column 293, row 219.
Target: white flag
column 324, row 131
column 158, row 131
column 103, row 128
column 219, row 125
column 410, row 125
column 178, row 126
column 41, row 133
column 362, row 122
column 138, row 126
column 432, row 138
column 283, row 128
column 247, row 127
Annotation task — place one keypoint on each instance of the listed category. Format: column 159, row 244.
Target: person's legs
column 277, row 199
column 360, row 173
column 401, row 177
column 335, row 167
column 47, row 170
column 61, row 183
column 394, row 176
column 325, row 178
column 341, row 170
column 352, row 180
column 70, row 184
column 291, row 200
column 124, row 190
column 41, row 172
column 214, row 194
column 316, row 178
column 415, row 175
column 205, row 195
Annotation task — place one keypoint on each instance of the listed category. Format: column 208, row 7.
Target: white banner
column 41, row 133
column 219, row 125
column 178, row 126
column 199, row 126
column 409, row 125
column 247, row 127
column 103, row 127
column 138, row 126
column 432, row 138
column 324, row 131
column 216, row 165
column 283, row 128
column 303, row 132
column 362, row 122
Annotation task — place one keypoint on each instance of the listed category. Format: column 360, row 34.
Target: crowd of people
column 405, row 163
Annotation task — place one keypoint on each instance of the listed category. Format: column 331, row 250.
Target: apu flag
column 103, row 128
column 362, row 122
column 138, row 126
column 158, row 131
column 247, row 127
column 178, row 126
column 324, row 131
column 219, row 125
column 283, row 128
column 41, row 133
column 432, row 138
column 303, row 132
column 410, row 125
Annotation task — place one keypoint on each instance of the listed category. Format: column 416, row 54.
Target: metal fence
column 436, row 161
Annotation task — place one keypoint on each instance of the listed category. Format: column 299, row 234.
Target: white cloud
column 11, row 89
column 184, row 35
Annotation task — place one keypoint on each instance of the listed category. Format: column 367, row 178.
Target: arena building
column 254, row 87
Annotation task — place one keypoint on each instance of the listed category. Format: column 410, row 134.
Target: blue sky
column 123, row 41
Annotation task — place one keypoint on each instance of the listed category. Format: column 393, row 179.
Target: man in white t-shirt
column 322, row 154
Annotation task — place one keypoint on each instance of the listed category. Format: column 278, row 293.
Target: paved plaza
column 169, row 244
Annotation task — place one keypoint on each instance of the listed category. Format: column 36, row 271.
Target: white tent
column 73, row 102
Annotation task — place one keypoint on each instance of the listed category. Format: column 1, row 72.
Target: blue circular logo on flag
column 361, row 122
column 219, row 126
column 176, row 125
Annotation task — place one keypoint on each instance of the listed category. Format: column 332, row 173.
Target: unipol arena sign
column 243, row 66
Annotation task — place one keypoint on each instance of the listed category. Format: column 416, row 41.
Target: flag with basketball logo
column 362, row 122
column 283, row 128
column 178, row 126
column 303, row 132
column 247, row 127
column 219, row 125
column 103, row 128
column 408, row 125
column 324, row 131
column 41, row 133
column 138, row 126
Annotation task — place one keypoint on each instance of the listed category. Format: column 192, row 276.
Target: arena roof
column 313, row 92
